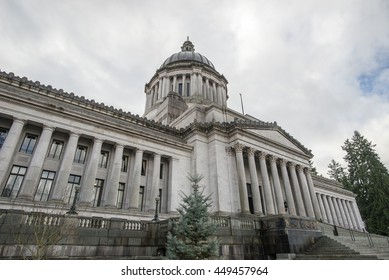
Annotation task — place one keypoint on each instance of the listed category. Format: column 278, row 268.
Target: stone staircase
column 326, row 248
column 347, row 245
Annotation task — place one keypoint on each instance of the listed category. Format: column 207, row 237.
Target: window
column 188, row 89
column 14, row 182
column 103, row 160
column 28, row 144
column 143, row 170
column 74, row 181
column 80, row 155
column 3, row 135
column 160, row 200
column 119, row 201
column 250, row 198
column 98, row 192
column 55, row 149
column 180, row 89
column 141, row 197
column 44, row 186
column 124, row 164
column 161, row 171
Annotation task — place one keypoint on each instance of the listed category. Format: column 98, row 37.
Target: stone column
column 244, row 203
column 9, row 147
column 337, row 212
column 59, row 192
column 214, row 93
column 297, row 191
column 160, row 88
column 322, row 209
column 305, row 192
column 312, row 193
column 266, row 185
column 112, row 185
column 332, row 209
column 328, row 210
column 134, row 191
column 288, row 189
column 155, row 181
column 34, row 171
column 277, row 185
column 346, row 212
column 360, row 222
column 352, row 216
column 341, row 212
column 88, row 189
column 173, row 186
column 254, row 182
column 175, row 84
column 184, row 85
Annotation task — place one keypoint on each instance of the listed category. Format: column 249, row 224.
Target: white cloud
column 299, row 63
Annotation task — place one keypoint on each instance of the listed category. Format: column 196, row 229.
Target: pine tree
column 369, row 179
column 192, row 236
column 336, row 171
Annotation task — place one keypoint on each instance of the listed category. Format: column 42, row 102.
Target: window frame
column 17, row 178
column 28, row 149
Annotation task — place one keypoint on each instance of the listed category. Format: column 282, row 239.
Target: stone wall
column 38, row 235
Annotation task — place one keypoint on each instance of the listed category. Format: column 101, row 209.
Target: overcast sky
column 318, row 68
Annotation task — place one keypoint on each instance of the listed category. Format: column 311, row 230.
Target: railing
column 33, row 219
column 93, row 223
column 135, row 225
column 222, row 222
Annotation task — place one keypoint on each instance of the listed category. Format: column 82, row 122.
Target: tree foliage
column 367, row 177
column 192, row 235
column 336, row 171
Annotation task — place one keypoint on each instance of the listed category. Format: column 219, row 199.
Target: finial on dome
column 187, row 46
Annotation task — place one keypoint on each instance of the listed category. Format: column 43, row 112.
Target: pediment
column 281, row 138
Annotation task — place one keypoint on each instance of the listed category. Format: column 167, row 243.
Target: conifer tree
column 369, row 179
column 336, row 171
column 192, row 235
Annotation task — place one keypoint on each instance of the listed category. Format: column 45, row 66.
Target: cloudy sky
column 318, row 68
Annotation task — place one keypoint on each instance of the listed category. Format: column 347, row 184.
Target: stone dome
column 187, row 53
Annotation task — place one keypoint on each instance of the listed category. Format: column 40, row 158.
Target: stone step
column 326, row 248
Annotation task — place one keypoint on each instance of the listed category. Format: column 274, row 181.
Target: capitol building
column 56, row 145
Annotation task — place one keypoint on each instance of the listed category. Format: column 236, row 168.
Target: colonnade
column 191, row 84
column 113, row 175
column 287, row 188
column 295, row 195
column 339, row 211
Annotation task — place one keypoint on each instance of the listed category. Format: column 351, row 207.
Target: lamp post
column 72, row 210
column 156, row 218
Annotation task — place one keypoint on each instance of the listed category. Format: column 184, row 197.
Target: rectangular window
column 103, row 160
column 141, row 197
column 161, row 171
column 124, row 164
column 180, row 89
column 44, row 187
column 73, row 182
column 55, row 149
column 188, row 89
column 14, row 181
column 80, row 154
column 250, row 198
column 143, row 170
column 160, row 200
column 3, row 135
column 28, row 144
column 98, row 192
column 119, row 201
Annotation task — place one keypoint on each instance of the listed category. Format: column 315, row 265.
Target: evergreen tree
column 192, row 235
column 336, row 171
column 312, row 168
column 369, row 179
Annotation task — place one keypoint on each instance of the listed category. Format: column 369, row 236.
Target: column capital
column 230, row 151
column 282, row 161
column 273, row 158
column 262, row 155
column 250, row 151
column 291, row 165
column 238, row 148
column 48, row 127
column 299, row 168
column 21, row 121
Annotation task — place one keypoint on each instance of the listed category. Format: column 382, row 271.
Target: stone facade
column 53, row 142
